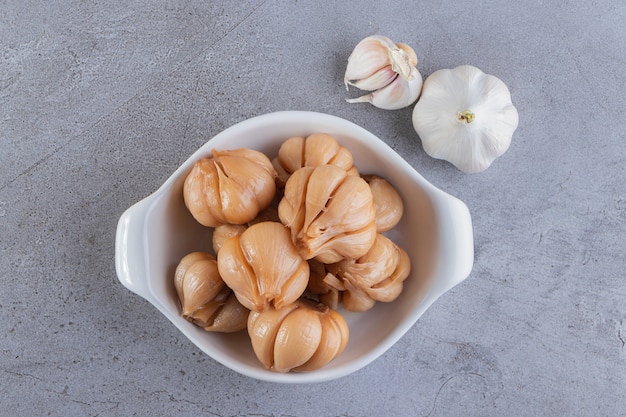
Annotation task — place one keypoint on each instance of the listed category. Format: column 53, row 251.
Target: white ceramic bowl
column 436, row 231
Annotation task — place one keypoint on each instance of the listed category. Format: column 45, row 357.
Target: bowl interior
column 171, row 233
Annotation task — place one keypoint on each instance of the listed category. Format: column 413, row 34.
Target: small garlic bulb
column 387, row 203
column 263, row 267
column 300, row 337
column 232, row 186
column 205, row 300
column 314, row 150
column 330, row 213
column 387, row 69
column 376, row 276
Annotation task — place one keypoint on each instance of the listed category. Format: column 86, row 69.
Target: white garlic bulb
column 465, row 117
column 385, row 68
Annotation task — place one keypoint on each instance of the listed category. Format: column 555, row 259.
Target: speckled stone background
column 101, row 101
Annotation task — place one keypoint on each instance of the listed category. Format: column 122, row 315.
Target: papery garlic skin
column 330, row 213
column 263, row 267
column 376, row 276
column 387, row 69
column 465, row 117
column 205, row 299
column 232, row 186
column 300, row 337
column 311, row 151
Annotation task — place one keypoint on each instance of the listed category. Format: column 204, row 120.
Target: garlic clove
column 225, row 231
column 263, row 328
column 291, row 154
column 369, row 55
column 245, row 189
column 323, row 149
column 372, row 268
column 387, row 203
column 377, row 80
column 239, row 275
column 230, row 316
column 400, row 93
column 344, row 246
column 389, row 289
column 201, row 194
column 333, row 341
column 297, row 339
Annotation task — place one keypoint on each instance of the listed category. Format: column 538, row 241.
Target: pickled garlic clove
column 387, row 203
column 372, row 268
column 231, row 316
column 263, row 328
column 297, row 339
column 225, row 231
column 389, row 289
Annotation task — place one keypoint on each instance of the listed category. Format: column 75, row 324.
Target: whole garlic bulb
column 263, row 267
column 387, row 203
column 314, row 150
column 205, row 300
column 299, row 337
column 330, row 213
column 465, row 117
column 232, row 186
column 376, row 276
column 387, row 69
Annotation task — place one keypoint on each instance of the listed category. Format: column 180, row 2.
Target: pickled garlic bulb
column 232, row 186
column 302, row 336
column 330, row 213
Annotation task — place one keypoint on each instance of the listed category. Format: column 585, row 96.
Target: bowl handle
column 457, row 242
column 130, row 255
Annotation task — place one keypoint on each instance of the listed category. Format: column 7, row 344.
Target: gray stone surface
column 101, row 101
